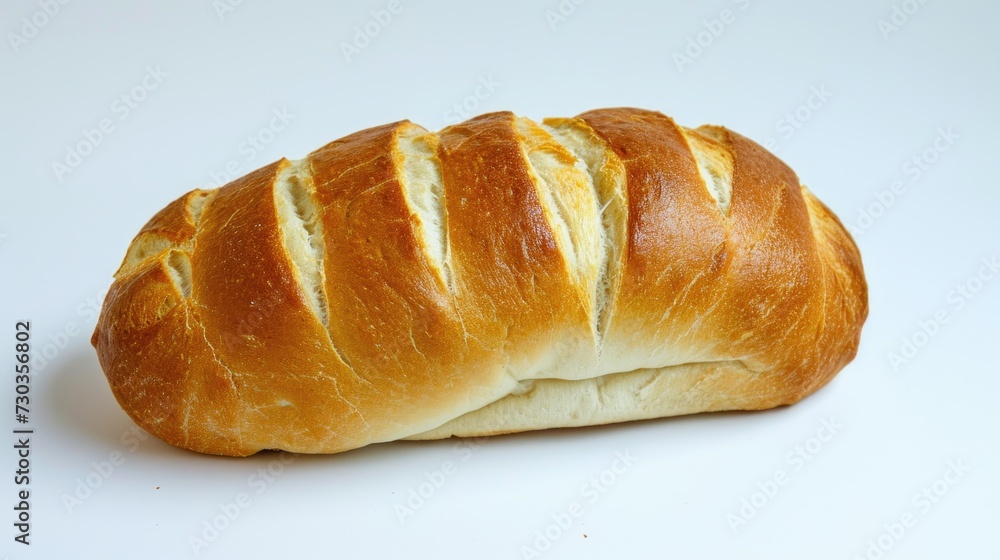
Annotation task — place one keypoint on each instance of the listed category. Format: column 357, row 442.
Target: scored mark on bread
column 556, row 177
column 197, row 202
column 715, row 163
column 607, row 181
column 152, row 244
column 179, row 267
column 302, row 234
column 145, row 246
column 423, row 189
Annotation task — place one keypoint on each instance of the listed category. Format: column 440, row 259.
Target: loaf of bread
column 498, row 276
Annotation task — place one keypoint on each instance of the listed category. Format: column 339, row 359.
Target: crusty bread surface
column 498, row 276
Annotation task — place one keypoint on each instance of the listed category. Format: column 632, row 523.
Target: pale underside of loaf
column 499, row 276
column 616, row 397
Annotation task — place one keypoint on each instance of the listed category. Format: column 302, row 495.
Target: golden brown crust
column 498, row 276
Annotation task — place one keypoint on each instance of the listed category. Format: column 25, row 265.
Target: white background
column 890, row 92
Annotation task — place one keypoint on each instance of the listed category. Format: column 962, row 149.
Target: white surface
column 224, row 77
